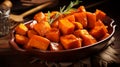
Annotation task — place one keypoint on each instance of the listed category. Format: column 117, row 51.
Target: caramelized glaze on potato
column 42, row 28
column 20, row 39
column 66, row 27
column 70, row 41
column 53, row 35
column 38, row 42
column 30, row 33
column 82, row 18
column 21, row 29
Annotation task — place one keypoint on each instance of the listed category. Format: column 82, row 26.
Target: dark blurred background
column 110, row 7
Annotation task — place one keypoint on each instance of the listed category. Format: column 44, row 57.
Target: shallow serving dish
column 71, row 54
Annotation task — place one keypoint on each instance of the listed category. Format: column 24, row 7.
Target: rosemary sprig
column 50, row 20
column 48, row 17
column 63, row 10
column 71, row 5
column 56, row 16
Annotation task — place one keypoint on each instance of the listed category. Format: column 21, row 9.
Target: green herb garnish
column 48, row 18
column 63, row 10
column 71, row 5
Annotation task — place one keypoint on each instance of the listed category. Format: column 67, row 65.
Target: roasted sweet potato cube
column 71, row 18
column 38, row 42
column 21, row 29
column 30, row 33
column 100, row 23
column 20, row 39
column 42, row 28
column 91, row 18
column 99, row 30
column 81, row 33
column 55, row 24
column 100, row 15
column 96, row 32
column 55, row 46
column 66, row 26
column 53, row 35
column 88, row 40
column 70, row 41
column 78, row 25
column 81, row 9
column 81, row 17
column 40, row 17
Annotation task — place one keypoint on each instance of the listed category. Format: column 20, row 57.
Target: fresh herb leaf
column 48, row 17
column 50, row 20
column 63, row 10
column 56, row 16
column 71, row 5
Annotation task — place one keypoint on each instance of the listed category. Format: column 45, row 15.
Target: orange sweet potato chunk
column 21, row 29
column 38, row 42
column 53, row 35
column 30, row 33
column 87, row 38
column 100, row 15
column 78, row 25
column 42, row 28
column 71, row 18
column 81, row 33
column 66, row 26
column 81, row 17
column 81, row 9
column 91, row 18
column 20, row 39
column 70, row 41
column 100, row 23
column 99, row 30
column 40, row 17
column 55, row 24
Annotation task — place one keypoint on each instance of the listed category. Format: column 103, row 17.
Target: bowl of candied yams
column 65, row 35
